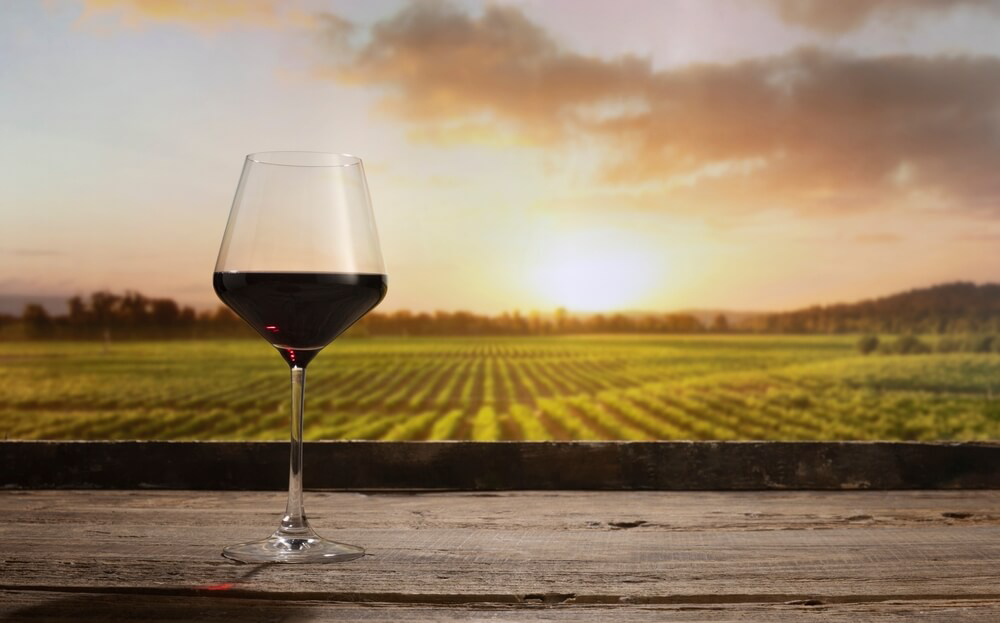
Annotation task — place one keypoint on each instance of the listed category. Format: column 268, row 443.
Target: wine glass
column 300, row 263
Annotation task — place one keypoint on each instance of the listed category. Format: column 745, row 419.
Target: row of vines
column 587, row 388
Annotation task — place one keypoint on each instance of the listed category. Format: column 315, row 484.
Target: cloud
column 202, row 14
column 836, row 17
column 468, row 74
column 810, row 130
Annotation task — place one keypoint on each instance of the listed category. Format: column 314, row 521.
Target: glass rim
column 304, row 159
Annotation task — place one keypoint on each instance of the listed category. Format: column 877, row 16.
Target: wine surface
column 299, row 313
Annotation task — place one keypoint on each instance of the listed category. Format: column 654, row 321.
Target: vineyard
column 623, row 387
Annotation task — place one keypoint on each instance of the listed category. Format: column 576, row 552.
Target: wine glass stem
column 294, row 520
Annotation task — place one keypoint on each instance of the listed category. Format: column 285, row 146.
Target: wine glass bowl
column 299, row 313
column 300, row 262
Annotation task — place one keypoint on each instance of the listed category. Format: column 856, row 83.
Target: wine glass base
column 304, row 548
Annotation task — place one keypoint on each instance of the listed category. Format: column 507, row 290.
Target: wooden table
column 124, row 555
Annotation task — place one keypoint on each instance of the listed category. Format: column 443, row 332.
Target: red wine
column 299, row 313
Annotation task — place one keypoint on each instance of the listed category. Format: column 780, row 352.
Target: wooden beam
column 463, row 465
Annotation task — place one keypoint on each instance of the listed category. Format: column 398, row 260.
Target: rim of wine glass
column 286, row 159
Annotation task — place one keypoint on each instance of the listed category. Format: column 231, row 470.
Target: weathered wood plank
column 520, row 510
column 363, row 465
column 56, row 607
column 587, row 548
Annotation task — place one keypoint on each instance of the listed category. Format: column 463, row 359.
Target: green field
column 623, row 387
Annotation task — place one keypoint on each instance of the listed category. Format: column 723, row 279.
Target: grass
column 588, row 387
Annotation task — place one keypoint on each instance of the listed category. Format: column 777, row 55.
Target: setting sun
column 597, row 271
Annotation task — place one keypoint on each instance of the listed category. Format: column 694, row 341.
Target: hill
column 946, row 308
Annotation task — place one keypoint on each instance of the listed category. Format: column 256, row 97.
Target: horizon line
column 43, row 299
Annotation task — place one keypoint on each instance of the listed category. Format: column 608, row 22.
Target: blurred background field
column 496, row 388
column 662, row 219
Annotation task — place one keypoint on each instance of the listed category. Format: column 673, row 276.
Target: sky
column 645, row 155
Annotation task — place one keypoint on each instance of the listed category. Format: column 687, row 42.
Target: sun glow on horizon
column 598, row 271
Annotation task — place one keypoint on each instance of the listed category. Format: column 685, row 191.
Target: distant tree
column 720, row 324
column 133, row 311
column 682, row 323
column 78, row 315
column 867, row 344
column 535, row 322
column 165, row 313
column 562, row 319
column 37, row 322
column 188, row 317
column 619, row 323
column 104, row 308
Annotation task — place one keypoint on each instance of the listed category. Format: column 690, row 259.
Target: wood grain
column 688, row 556
column 484, row 466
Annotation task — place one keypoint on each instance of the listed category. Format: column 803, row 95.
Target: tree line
column 955, row 308
column 105, row 315
column 407, row 323
column 959, row 307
